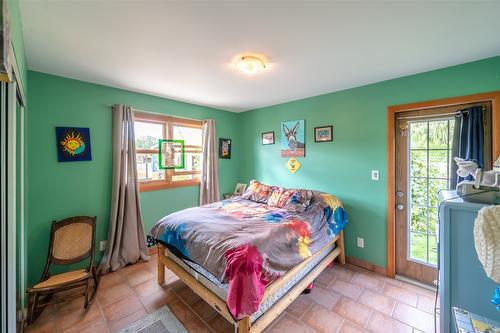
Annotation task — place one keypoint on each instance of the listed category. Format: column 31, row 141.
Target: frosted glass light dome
column 250, row 64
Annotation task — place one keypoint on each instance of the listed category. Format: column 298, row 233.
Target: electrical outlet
column 103, row 245
column 375, row 175
column 361, row 242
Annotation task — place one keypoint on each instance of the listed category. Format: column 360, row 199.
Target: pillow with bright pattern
column 258, row 192
column 294, row 200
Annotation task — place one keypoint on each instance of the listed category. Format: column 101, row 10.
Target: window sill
column 156, row 185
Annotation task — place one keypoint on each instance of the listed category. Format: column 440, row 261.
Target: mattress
column 250, row 244
column 220, row 289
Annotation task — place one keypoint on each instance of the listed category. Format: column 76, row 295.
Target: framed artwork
column 73, row 144
column 293, row 139
column 240, row 188
column 323, row 134
column 224, row 148
column 171, row 154
column 268, row 138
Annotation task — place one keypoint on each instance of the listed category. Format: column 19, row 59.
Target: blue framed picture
column 73, row 144
column 293, row 138
column 323, row 134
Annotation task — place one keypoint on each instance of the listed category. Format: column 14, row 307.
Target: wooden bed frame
column 245, row 325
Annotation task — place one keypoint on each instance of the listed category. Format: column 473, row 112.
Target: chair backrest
column 72, row 240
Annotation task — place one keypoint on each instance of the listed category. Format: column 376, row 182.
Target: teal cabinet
column 463, row 282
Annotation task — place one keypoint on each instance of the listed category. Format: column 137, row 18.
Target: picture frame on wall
column 323, row 134
column 73, row 144
column 293, row 142
column 240, row 188
column 268, row 138
column 224, row 148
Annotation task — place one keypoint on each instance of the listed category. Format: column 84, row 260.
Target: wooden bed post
column 340, row 243
column 161, row 265
column 244, row 325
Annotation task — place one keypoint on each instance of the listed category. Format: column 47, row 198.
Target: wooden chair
column 72, row 240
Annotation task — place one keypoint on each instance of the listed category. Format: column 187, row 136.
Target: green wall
column 58, row 190
column 17, row 39
column 343, row 167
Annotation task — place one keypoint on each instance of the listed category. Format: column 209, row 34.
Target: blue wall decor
column 73, row 144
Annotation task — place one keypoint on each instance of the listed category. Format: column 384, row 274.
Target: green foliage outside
column 419, row 248
column 430, row 155
column 146, row 142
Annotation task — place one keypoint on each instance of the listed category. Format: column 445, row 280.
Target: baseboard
column 416, row 283
column 366, row 265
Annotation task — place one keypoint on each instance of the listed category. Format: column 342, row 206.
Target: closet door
column 8, row 207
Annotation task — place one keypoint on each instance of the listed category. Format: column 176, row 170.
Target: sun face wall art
column 73, row 144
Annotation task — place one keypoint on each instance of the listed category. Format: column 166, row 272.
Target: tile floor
column 344, row 299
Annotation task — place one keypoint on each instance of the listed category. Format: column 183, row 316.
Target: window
column 149, row 129
column 430, row 158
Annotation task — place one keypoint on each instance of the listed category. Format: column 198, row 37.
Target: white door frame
column 3, row 208
column 11, row 207
column 8, row 207
column 22, row 262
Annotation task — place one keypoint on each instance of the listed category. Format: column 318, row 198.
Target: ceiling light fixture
column 250, row 64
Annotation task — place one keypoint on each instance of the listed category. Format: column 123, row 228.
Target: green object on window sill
column 168, row 150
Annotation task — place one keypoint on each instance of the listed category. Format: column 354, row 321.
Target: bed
column 248, row 259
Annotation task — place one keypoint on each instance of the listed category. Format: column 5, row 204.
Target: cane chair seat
column 63, row 278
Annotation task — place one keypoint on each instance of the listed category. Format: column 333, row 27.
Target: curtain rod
column 157, row 113
column 456, row 114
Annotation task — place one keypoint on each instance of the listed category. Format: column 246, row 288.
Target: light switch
column 361, row 242
column 375, row 175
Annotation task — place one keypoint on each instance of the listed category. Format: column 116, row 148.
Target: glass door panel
column 429, row 172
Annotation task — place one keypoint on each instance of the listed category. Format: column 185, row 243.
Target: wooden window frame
column 492, row 97
column 168, row 122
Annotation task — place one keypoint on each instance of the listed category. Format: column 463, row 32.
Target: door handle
column 400, row 206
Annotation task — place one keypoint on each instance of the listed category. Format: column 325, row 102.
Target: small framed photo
column 224, row 148
column 240, row 188
column 268, row 138
column 323, row 134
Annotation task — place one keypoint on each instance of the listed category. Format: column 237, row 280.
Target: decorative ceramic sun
column 73, row 144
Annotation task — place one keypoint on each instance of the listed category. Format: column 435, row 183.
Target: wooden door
column 424, row 140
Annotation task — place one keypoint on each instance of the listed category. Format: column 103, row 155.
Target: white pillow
column 487, row 240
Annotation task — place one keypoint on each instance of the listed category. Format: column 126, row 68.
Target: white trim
column 11, row 207
column 17, row 76
column 415, row 283
column 3, row 208
column 22, row 263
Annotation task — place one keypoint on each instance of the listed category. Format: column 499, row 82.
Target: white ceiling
column 184, row 50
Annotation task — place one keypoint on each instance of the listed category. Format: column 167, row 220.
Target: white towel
column 487, row 240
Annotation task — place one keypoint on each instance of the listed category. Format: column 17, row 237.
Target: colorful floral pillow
column 275, row 196
column 294, row 200
column 258, row 192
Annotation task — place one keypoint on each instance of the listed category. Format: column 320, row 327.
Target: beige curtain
column 126, row 238
column 209, row 185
